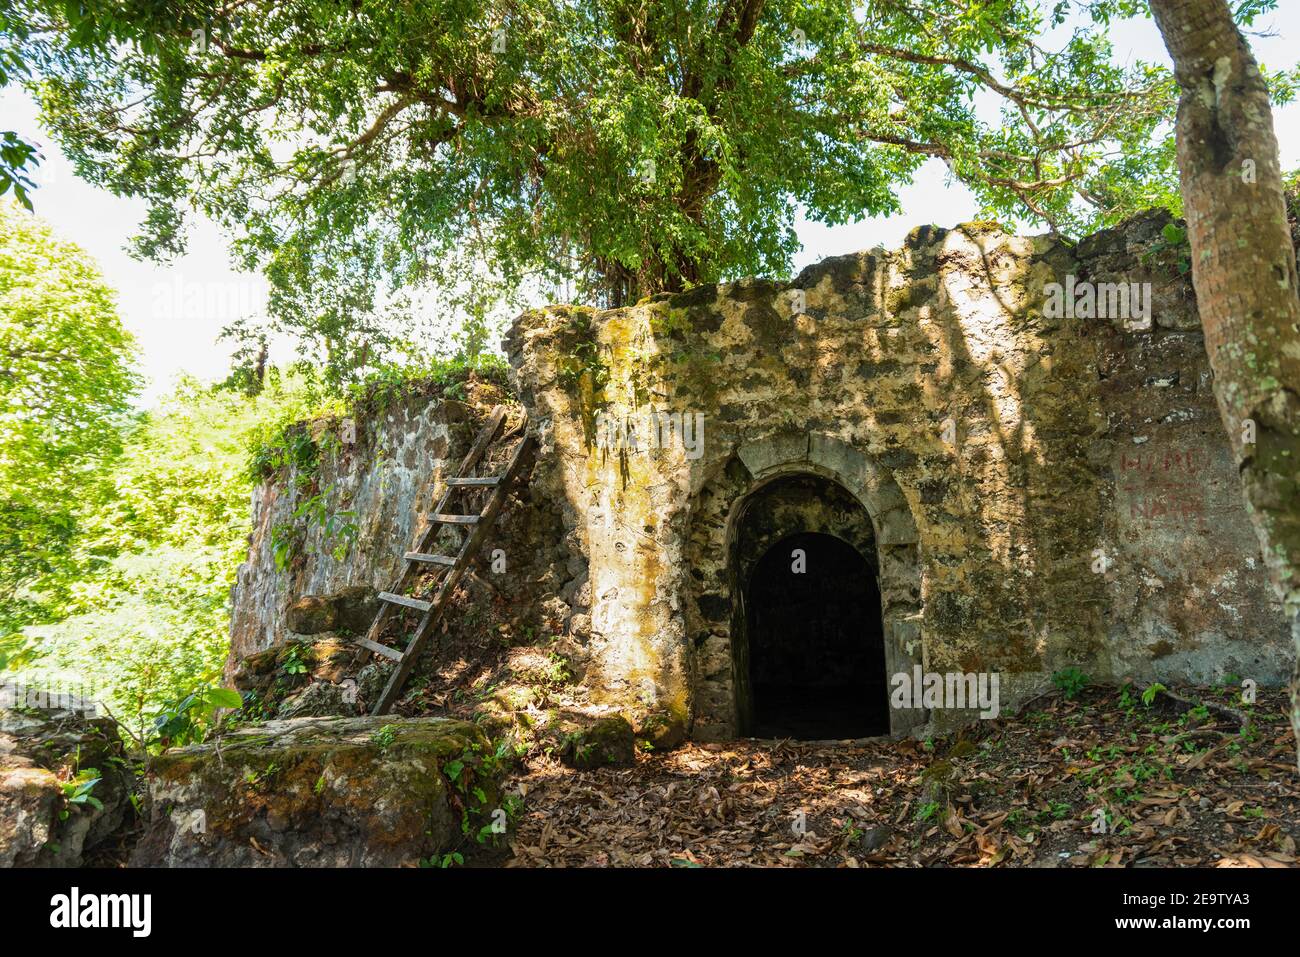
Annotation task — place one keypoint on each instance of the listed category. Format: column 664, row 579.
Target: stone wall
column 1047, row 487
column 386, row 482
column 383, row 483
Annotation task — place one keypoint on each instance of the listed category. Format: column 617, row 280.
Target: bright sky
column 177, row 310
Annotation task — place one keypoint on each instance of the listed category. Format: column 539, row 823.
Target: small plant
column 384, row 737
column 77, row 791
column 1126, row 697
column 1055, row 810
column 1109, row 753
column 187, row 720
column 559, row 673
column 1173, row 243
column 255, row 779
column 1070, row 681
column 338, row 529
column 284, row 544
column 1149, row 695
column 293, row 663
column 926, row 811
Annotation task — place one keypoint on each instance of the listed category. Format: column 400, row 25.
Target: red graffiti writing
column 1163, row 486
column 1155, row 462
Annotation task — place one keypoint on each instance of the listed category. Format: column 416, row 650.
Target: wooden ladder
column 455, row 565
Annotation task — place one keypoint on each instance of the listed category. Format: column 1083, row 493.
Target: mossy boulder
column 318, row 792
column 606, row 742
column 350, row 609
column 46, row 756
column 320, row 699
column 662, row 731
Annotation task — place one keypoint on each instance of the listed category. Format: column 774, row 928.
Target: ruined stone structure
column 993, row 454
column 1043, row 490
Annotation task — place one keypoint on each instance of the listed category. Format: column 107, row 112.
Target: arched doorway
column 809, row 657
column 816, row 642
column 775, row 487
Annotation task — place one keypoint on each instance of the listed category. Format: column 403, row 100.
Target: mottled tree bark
column 1244, row 271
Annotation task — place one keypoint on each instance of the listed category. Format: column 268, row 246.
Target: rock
column 315, row 792
column 333, row 658
column 350, row 609
column 662, row 730
column 256, row 671
column 370, row 682
column 357, row 607
column 874, row 838
column 319, row 699
column 40, row 751
column 606, row 742
column 937, row 782
column 311, row 615
column 278, row 676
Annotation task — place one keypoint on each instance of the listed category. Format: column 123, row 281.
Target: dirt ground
column 1105, row 779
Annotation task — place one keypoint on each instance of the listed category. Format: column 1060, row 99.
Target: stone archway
column 807, row 635
column 885, row 536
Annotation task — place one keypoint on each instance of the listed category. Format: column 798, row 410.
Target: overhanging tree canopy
column 634, row 146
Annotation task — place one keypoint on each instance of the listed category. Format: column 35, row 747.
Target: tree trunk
column 1244, row 271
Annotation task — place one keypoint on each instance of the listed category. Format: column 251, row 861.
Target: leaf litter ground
column 1102, row 780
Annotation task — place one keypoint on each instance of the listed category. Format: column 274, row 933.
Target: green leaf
column 225, row 698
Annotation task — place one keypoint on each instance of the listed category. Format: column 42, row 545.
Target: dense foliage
column 122, row 530
column 631, row 147
column 138, row 611
column 65, row 387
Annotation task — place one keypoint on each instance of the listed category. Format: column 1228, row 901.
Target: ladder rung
column 415, row 603
column 379, row 649
column 431, row 559
column 456, row 519
column 486, row 480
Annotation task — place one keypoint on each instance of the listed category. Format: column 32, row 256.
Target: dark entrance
column 816, row 642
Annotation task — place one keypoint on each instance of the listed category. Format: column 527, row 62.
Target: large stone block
column 42, row 823
column 312, row 792
column 773, row 452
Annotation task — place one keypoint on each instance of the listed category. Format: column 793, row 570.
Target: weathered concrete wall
column 1046, row 491
column 1187, row 597
column 383, row 483
column 386, row 483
